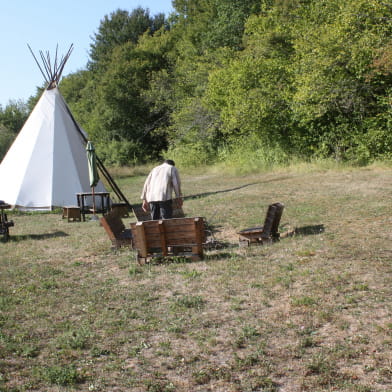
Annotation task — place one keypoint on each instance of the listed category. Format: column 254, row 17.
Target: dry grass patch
column 309, row 313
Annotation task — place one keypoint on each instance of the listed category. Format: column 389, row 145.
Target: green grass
column 309, row 313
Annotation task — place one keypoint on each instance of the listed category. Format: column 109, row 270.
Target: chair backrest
column 113, row 225
column 272, row 220
column 168, row 232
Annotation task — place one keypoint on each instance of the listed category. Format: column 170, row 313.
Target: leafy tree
column 211, row 24
column 6, row 139
column 207, row 33
column 302, row 77
column 252, row 91
column 13, row 116
column 78, row 90
column 118, row 28
column 335, row 52
column 123, row 112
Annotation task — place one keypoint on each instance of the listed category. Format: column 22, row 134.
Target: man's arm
column 177, row 185
column 145, row 205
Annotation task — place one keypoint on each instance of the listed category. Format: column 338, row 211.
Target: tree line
column 217, row 80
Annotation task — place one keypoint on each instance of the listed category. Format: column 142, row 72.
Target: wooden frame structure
column 169, row 237
column 269, row 232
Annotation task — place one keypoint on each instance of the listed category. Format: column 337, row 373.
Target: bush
column 251, row 154
column 62, row 375
column 120, row 152
column 6, row 139
column 192, row 155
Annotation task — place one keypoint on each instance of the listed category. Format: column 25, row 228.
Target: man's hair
column 169, row 162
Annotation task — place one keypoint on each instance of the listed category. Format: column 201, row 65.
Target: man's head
column 169, row 162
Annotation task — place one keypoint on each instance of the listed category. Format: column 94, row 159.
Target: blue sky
column 43, row 24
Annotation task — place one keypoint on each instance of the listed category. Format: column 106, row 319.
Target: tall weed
column 251, row 154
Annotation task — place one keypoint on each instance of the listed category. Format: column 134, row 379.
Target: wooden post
column 162, row 237
column 143, row 251
column 198, row 223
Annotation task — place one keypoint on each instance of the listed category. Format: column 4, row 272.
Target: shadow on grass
column 138, row 206
column 310, row 230
column 159, row 260
column 44, row 236
column 205, row 194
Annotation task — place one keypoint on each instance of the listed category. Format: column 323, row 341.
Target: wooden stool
column 71, row 212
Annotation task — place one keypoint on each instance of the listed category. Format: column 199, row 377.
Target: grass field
column 309, row 313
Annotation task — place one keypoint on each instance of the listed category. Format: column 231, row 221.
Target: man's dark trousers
column 161, row 209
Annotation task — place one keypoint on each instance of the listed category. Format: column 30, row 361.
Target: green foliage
column 13, row 116
column 195, row 140
column 250, row 153
column 211, row 24
column 62, row 375
column 79, row 93
column 252, row 91
column 75, row 339
column 120, row 152
column 333, row 91
column 118, row 28
column 297, row 78
column 191, row 155
column 6, row 139
column 188, row 302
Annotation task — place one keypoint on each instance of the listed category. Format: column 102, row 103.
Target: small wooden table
column 104, row 205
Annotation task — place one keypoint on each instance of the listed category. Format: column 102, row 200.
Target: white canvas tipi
column 47, row 163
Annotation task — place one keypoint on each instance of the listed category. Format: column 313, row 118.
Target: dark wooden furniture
column 169, row 237
column 5, row 224
column 102, row 203
column 71, row 212
column 269, row 232
column 143, row 216
column 116, row 230
column 121, row 209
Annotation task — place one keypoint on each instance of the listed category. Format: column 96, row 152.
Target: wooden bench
column 269, row 232
column 115, row 228
column 169, row 237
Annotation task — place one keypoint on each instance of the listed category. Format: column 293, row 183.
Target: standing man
column 158, row 189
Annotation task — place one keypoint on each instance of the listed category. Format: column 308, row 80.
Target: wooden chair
column 115, row 228
column 269, row 232
column 169, row 237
